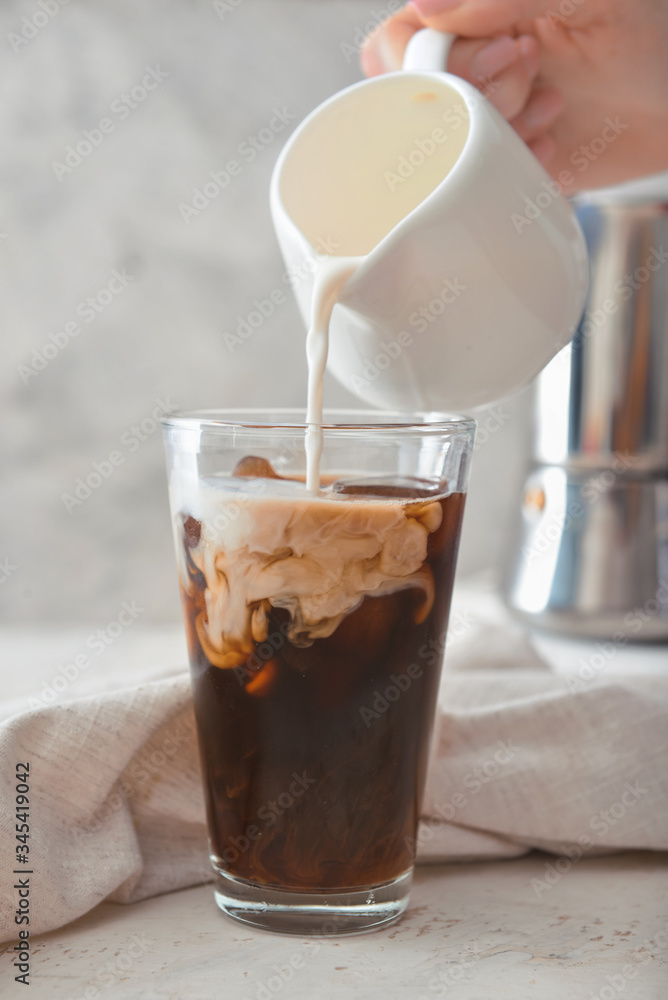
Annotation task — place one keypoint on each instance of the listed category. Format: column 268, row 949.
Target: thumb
column 478, row 18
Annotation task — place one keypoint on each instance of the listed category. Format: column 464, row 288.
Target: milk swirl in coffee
column 315, row 627
column 317, row 560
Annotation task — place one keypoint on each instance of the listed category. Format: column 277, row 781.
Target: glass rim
column 249, row 418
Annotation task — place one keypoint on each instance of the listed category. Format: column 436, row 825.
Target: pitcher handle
column 428, row 51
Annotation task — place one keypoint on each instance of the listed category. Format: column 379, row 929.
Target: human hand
column 583, row 82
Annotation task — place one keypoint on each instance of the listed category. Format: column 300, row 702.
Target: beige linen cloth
column 523, row 758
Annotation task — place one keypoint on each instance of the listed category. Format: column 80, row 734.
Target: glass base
column 323, row 914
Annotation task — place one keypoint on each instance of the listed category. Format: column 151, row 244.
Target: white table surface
column 472, row 931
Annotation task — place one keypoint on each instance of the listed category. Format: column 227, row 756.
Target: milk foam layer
column 317, row 558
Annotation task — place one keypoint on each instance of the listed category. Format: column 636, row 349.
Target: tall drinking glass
column 312, row 622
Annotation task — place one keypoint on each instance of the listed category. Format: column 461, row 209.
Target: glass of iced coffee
column 311, row 621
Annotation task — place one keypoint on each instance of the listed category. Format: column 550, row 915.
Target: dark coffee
column 314, row 732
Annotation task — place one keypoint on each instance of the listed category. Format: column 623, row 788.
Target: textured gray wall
column 160, row 338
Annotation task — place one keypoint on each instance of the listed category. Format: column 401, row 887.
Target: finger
column 542, row 110
column 509, row 91
column 503, row 69
column 480, row 59
column 383, row 50
column 476, row 18
column 474, row 60
column 543, row 148
column 530, row 52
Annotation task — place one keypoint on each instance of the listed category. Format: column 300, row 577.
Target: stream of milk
column 356, row 172
column 331, row 276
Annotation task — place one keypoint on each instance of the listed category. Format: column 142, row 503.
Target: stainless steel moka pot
column 590, row 556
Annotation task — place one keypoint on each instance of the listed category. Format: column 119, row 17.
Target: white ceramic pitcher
column 467, row 296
